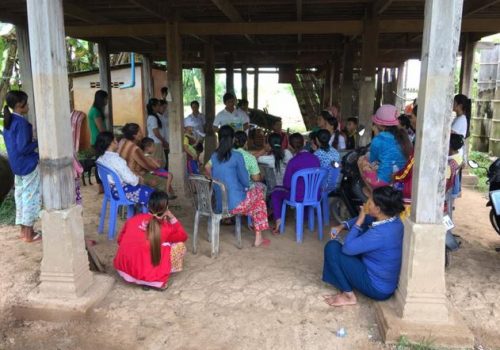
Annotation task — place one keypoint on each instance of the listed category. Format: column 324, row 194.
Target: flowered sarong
column 138, row 194
column 177, row 252
column 254, row 206
column 28, row 198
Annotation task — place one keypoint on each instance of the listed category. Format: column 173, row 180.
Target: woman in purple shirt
column 302, row 160
column 23, row 159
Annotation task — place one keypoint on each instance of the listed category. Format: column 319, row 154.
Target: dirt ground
column 254, row 298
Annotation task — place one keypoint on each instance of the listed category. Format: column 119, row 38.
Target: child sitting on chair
column 148, row 147
column 192, row 147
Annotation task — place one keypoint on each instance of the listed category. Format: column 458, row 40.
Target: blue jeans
column 348, row 272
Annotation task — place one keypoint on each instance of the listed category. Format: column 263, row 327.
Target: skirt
column 28, row 198
column 254, row 206
column 138, row 194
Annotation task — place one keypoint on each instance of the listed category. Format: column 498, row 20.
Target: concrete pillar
column 23, row 51
column 105, row 81
column 420, row 308
column 65, row 274
column 256, row 88
column 229, row 73
column 400, row 101
column 346, row 99
column 147, row 83
column 209, row 75
column 244, row 84
column 177, row 157
column 369, row 55
column 467, row 66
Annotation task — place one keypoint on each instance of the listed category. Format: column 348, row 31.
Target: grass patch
column 484, row 161
column 3, row 150
column 8, row 210
column 405, row 344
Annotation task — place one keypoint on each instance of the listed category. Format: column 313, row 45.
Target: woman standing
column 228, row 166
column 155, row 130
column 151, row 246
column 97, row 122
column 23, row 159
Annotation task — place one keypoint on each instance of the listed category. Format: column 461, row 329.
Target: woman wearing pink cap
column 389, row 150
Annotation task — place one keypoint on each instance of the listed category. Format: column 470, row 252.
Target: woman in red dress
column 150, row 246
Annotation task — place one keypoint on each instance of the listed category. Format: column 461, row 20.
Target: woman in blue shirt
column 370, row 259
column 228, row 166
column 389, row 150
column 23, row 159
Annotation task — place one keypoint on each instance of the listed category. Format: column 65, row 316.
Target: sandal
column 37, row 237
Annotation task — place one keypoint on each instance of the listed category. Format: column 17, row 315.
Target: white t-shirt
column 270, row 162
column 152, row 123
column 459, row 125
column 164, row 125
column 236, row 119
column 113, row 161
column 341, row 146
column 199, row 121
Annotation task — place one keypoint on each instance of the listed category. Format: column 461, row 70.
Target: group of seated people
column 369, row 260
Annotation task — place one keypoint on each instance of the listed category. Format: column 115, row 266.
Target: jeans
column 348, row 272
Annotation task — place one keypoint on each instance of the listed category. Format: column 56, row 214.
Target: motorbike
column 493, row 174
column 348, row 197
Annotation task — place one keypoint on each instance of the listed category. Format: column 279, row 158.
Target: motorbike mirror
column 473, row 164
column 361, row 132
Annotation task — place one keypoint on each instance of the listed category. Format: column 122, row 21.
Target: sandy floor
column 267, row 298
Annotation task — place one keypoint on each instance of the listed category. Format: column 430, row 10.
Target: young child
column 148, row 147
column 455, row 159
column 351, row 134
column 191, row 147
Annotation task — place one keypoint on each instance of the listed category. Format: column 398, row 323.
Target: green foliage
column 80, row 55
column 8, row 211
column 191, row 81
column 483, row 161
column 86, row 154
column 405, row 344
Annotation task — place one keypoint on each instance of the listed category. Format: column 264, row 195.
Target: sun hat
column 189, row 123
column 386, row 115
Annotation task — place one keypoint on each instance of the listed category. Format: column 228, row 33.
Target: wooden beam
column 105, row 81
column 381, row 5
column 473, row 6
column 153, row 8
column 231, row 12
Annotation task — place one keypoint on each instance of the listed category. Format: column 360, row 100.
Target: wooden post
column 229, row 73
column 65, row 267
column 209, row 74
column 420, row 306
column 369, row 54
column 327, row 87
column 380, row 85
column 105, row 81
column 244, row 86
column 23, row 49
column 467, row 66
column 346, row 99
column 400, row 98
column 147, row 84
column 494, row 140
column 256, row 88
column 177, row 157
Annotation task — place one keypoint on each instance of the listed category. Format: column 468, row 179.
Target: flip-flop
column 37, row 237
column 265, row 243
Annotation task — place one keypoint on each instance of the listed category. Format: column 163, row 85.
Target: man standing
column 231, row 116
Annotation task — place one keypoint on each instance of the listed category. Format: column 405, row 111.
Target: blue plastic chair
column 333, row 175
column 313, row 180
column 115, row 201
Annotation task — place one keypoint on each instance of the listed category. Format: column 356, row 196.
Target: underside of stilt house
column 330, row 45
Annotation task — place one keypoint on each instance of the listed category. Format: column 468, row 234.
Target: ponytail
column 323, row 137
column 402, row 139
column 12, row 98
column 226, row 137
column 158, row 204
column 274, row 141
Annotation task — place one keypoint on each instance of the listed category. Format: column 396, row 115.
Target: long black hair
column 226, row 140
column 157, row 205
column 240, row 139
column 11, row 100
column 274, row 141
column 323, row 137
column 335, row 124
column 151, row 103
column 466, row 104
column 296, row 140
column 103, row 141
column 100, row 101
column 402, row 139
column 389, row 200
column 129, row 130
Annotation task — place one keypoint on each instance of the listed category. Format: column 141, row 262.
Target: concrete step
column 469, row 180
